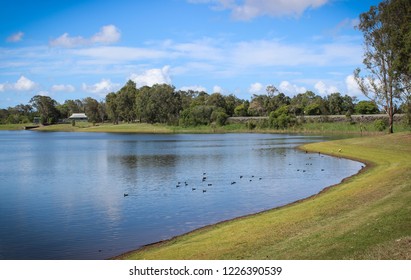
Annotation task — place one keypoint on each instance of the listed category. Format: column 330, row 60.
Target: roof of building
column 78, row 116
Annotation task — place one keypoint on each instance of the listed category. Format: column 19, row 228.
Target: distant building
column 78, row 117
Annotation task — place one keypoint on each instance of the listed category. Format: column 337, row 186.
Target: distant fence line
column 325, row 118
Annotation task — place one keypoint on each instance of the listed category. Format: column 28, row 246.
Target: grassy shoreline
column 366, row 217
column 306, row 128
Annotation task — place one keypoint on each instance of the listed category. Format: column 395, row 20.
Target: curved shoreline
column 157, row 243
column 350, row 149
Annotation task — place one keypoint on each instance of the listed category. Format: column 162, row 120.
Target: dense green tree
column 197, row 115
column 301, row 101
column 112, row 107
column 199, row 98
column 165, row 104
column 231, row 102
column 91, row 108
column 313, row 109
column 216, row 100
column 242, row 109
column 338, row 104
column 366, row 107
column 282, row 117
column 186, row 97
column 143, row 108
column 3, row 116
column 46, row 108
column 126, row 100
column 19, row 114
column 219, row 116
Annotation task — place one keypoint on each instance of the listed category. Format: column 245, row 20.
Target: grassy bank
column 313, row 128
column 346, row 128
column 13, row 126
column 368, row 216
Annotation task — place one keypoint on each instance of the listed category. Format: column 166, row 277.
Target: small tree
column 282, row 118
column 366, row 107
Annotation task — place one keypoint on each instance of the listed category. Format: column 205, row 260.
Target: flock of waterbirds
column 205, row 180
column 206, row 183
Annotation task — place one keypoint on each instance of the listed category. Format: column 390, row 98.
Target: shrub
column 219, row 117
column 313, row 109
column 366, row 107
column 251, row 125
column 380, row 125
column 282, row 118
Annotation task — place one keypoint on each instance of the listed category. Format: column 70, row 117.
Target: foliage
column 219, row 116
column 241, row 110
column 282, row 118
column 126, row 100
column 91, row 108
column 380, row 125
column 112, row 107
column 386, row 32
column 198, row 115
column 366, row 107
column 313, row 109
column 338, row 104
column 46, row 108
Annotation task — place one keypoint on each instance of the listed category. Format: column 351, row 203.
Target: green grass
column 313, row 128
column 12, row 126
column 348, row 128
column 107, row 127
column 368, row 216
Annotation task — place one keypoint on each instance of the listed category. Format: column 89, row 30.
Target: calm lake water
column 62, row 195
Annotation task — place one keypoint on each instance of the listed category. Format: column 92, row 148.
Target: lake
column 97, row 195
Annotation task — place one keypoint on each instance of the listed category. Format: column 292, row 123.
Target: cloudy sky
column 74, row 49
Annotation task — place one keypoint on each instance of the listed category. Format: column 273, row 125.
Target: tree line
column 162, row 103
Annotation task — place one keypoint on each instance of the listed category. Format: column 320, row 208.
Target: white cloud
column 347, row 23
column 16, row 37
column 290, row 89
column 256, row 88
column 352, row 86
column 249, row 9
column 217, row 89
column 63, row 88
column 103, row 87
column 108, row 34
column 193, row 88
column 199, row 49
column 107, row 54
column 24, row 84
column 324, row 89
column 276, row 53
column 152, row 76
column 66, row 41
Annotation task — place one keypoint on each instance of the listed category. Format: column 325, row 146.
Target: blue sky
column 75, row 49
